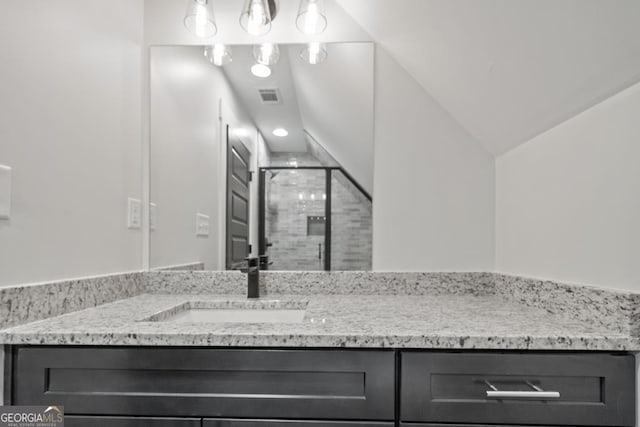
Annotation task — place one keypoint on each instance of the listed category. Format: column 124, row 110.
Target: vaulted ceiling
column 508, row 70
column 313, row 99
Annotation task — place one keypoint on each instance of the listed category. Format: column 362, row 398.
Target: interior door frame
column 226, row 117
column 249, row 160
column 222, row 178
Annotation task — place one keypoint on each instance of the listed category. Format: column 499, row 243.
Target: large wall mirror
column 263, row 151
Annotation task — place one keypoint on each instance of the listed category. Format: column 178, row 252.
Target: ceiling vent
column 269, row 96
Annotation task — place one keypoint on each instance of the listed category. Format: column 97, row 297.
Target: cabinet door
column 187, row 382
column 289, row 423
column 73, row 421
column 587, row 389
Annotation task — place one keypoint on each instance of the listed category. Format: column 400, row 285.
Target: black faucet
column 253, row 277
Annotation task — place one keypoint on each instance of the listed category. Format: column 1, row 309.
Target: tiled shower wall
column 288, row 206
column 294, row 159
column 351, row 226
column 292, row 196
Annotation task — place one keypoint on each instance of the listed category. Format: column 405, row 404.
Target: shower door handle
column 319, row 250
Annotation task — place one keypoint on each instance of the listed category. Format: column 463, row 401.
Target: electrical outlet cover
column 202, row 225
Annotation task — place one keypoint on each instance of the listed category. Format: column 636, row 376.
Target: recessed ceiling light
column 280, row 132
column 260, row 70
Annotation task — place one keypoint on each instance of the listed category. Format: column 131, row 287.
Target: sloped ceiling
column 267, row 117
column 336, row 105
column 332, row 101
column 508, row 70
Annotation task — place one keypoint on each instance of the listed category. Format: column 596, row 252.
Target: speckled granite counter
column 454, row 321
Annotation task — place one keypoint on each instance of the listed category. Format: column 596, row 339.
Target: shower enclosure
column 313, row 218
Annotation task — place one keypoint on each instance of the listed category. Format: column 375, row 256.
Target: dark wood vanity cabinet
column 76, row 421
column 213, row 387
column 208, row 383
column 291, row 423
column 560, row 389
column 81, row 421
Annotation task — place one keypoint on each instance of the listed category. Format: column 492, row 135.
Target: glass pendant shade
column 314, row 53
column 218, row 54
column 311, row 19
column 199, row 19
column 256, row 17
column 266, row 53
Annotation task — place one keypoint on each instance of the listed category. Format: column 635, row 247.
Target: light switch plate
column 134, row 214
column 202, row 225
column 153, row 216
column 5, row 192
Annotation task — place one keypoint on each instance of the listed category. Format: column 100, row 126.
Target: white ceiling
column 268, row 117
column 332, row 101
column 508, row 70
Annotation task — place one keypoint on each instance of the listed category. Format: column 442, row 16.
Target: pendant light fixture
column 199, row 18
column 257, row 15
column 311, row 18
column 266, row 53
column 218, row 54
column 314, row 53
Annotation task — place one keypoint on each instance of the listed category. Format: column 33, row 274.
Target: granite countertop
column 456, row 321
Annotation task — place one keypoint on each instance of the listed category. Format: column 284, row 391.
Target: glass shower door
column 294, row 218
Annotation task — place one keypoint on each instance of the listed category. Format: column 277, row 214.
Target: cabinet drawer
column 172, row 382
column 463, row 425
column 290, row 423
column 73, row 421
column 593, row 389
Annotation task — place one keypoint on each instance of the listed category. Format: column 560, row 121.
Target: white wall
column 70, row 129
column 433, row 197
column 70, row 86
column 188, row 155
column 568, row 201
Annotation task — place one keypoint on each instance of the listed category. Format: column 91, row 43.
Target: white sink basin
column 226, row 315
column 233, row 311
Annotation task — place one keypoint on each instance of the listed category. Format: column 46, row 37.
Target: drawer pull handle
column 536, row 393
